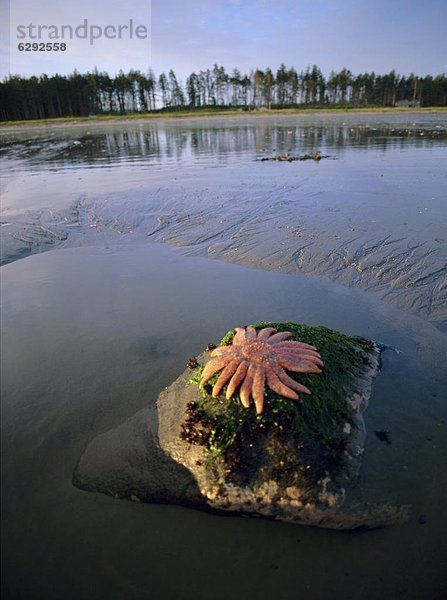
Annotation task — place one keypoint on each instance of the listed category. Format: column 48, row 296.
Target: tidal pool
column 94, row 329
column 90, row 336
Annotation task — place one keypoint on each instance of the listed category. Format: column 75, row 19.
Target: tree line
column 96, row 93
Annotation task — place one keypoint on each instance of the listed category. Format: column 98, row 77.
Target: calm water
column 93, row 331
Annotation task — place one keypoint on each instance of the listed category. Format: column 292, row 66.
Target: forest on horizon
column 98, row 93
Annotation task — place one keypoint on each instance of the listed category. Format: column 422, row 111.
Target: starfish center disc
column 257, row 351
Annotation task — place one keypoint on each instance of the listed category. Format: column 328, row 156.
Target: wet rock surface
column 184, row 450
column 127, row 462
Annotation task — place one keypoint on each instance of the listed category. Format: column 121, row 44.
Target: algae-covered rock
column 295, row 462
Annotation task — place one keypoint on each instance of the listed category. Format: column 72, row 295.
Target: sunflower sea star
column 259, row 357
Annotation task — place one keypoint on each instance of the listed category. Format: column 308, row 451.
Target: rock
column 127, row 462
column 296, row 462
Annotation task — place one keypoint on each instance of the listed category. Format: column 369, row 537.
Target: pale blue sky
column 187, row 35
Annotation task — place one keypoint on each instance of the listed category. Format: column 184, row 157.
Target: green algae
column 225, row 425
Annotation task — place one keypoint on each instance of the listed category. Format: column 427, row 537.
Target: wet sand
column 371, row 216
column 12, row 126
column 90, row 336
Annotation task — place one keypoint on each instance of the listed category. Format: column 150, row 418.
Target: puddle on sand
column 90, row 336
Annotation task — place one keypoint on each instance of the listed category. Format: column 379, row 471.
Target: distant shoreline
column 208, row 114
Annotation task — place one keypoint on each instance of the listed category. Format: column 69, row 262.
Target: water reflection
column 216, row 142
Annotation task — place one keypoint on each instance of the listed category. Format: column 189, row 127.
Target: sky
column 190, row 35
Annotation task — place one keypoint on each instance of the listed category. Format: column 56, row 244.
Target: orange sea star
column 256, row 358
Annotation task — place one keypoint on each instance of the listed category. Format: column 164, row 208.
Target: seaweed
column 225, row 426
column 315, row 156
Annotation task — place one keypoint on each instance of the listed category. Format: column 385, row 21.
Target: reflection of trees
column 98, row 93
column 186, row 143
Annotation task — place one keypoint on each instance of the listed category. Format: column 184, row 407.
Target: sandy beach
column 206, row 115
column 128, row 247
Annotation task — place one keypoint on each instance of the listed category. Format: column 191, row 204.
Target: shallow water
column 92, row 333
column 372, row 215
column 90, row 336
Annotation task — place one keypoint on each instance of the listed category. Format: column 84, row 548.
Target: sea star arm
column 258, row 388
column 295, row 351
column 220, row 350
column 239, row 337
column 213, row 366
column 279, row 387
column 265, row 333
column 247, row 387
column 293, row 344
column 291, row 383
column 244, row 335
column 250, row 334
column 300, row 357
column 298, row 366
column 236, row 379
column 226, row 374
column 279, row 337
